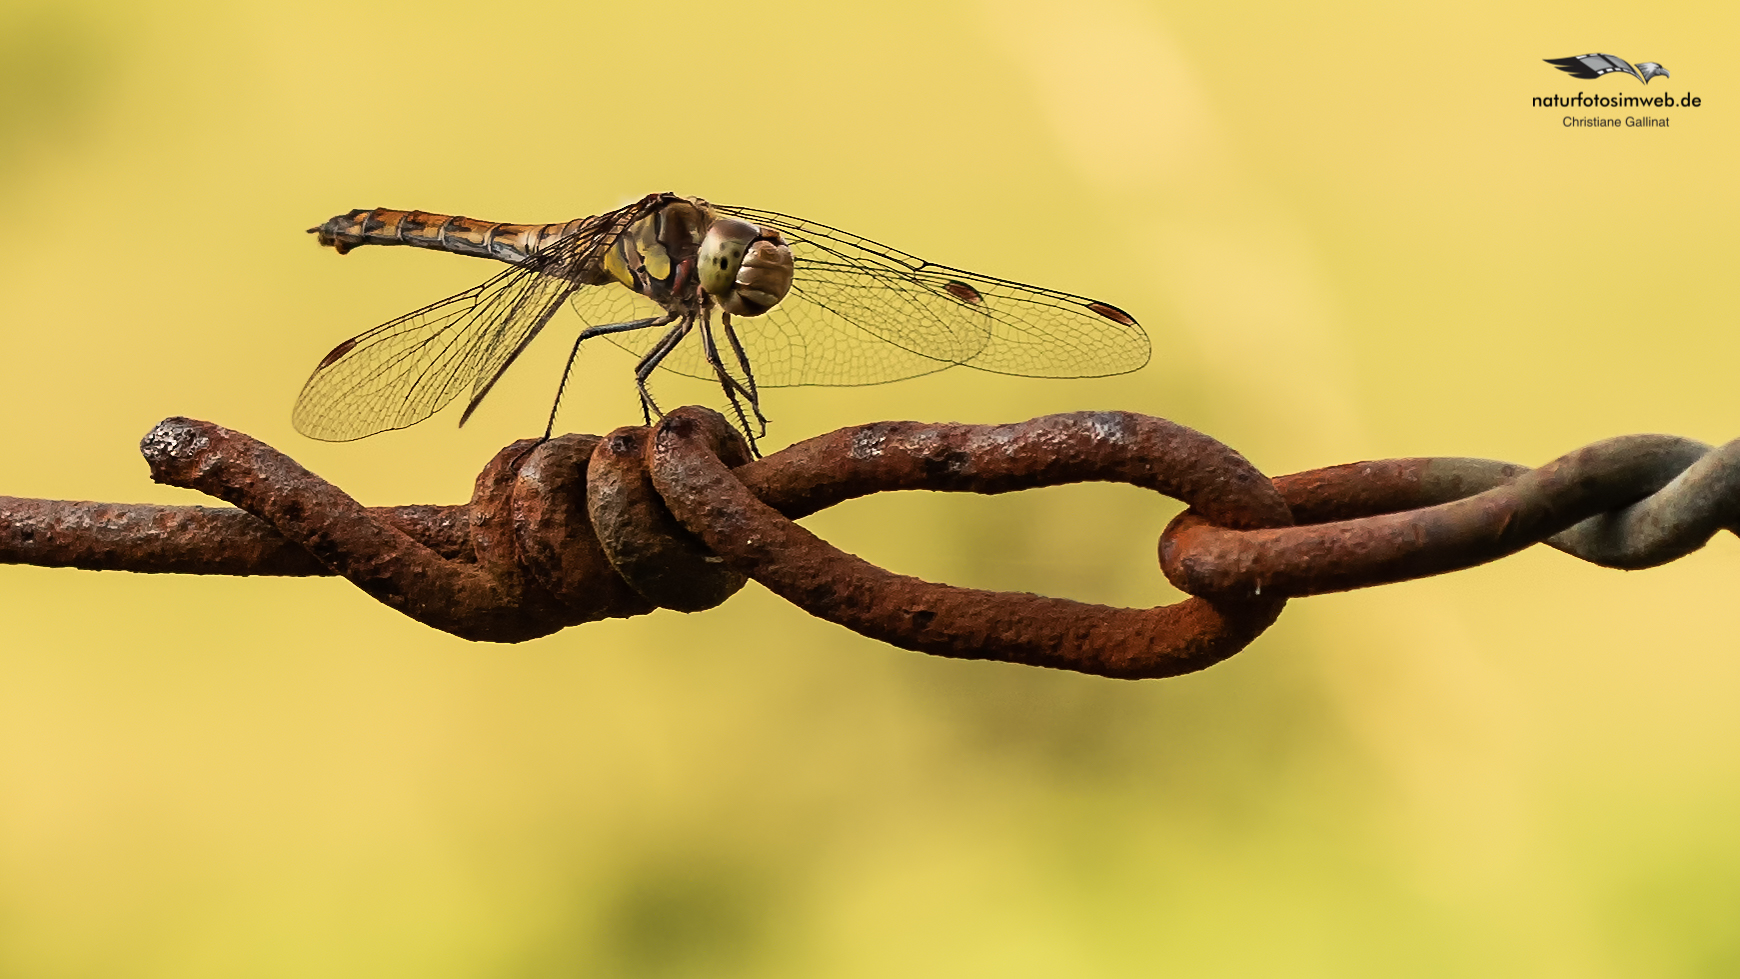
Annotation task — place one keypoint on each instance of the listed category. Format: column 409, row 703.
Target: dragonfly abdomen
column 512, row 243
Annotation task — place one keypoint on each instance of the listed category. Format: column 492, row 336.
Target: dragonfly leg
column 644, row 369
column 748, row 373
column 732, row 386
column 587, row 334
column 479, row 391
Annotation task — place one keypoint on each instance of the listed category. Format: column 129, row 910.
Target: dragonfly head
column 746, row 268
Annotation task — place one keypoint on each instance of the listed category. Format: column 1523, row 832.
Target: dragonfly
column 747, row 298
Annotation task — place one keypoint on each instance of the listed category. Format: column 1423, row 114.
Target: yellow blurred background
column 1350, row 236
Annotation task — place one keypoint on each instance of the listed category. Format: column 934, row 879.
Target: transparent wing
column 860, row 312
column 403, row 371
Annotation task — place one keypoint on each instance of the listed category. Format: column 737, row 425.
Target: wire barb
column 678, row 515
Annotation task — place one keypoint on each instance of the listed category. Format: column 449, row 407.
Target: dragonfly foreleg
column 748, row 373
column 732, row 386
column 649, row 363
column 587, row 334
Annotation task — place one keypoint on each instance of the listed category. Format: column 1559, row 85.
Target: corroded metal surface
column 190, row 539
column 968, row 622
column 646, row 546
column 392, row 567
column 579, row 528
column 1372, row 545
column 555, row 535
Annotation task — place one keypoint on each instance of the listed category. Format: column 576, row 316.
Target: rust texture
column 645, row 544
column 1412, row 518
column 190, row 539
column 676, row 515
column 966, row 622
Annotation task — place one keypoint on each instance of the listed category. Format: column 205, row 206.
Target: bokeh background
column 1350, row 237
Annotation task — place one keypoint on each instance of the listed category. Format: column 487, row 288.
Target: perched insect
column 799, row 303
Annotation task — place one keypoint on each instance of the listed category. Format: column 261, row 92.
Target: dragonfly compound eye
column 721, row 254
column 747, row 269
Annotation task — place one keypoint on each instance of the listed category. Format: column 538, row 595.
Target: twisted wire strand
column 675, row 515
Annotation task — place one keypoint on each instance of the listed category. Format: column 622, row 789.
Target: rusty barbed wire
column 677, row 515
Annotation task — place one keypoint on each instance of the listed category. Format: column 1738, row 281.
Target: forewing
column 403, row 371
column 860, row 312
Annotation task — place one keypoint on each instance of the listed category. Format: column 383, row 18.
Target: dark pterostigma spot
column 1112, row 313
column 337, row 352
column 965, row 293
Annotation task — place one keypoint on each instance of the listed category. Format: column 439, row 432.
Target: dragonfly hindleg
column 481, row 389
column 649, row 363
column 587, row 334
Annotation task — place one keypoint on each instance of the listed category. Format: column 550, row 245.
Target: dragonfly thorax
column 683, row 243
column 746, row 269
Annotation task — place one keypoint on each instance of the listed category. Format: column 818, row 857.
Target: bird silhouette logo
column 1596, row 65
